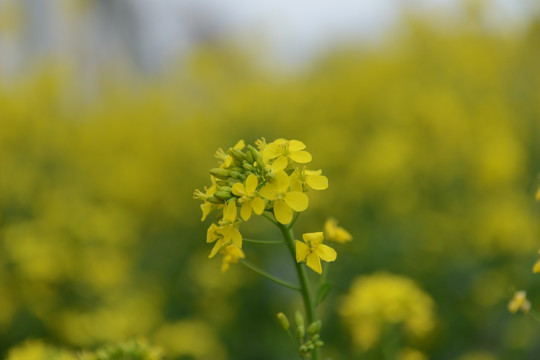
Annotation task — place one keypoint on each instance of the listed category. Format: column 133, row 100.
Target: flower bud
column 249, row 157
column 237, row 155
column 223, row 195
column 319, row 343
column 222, row 182
column 248, row 166
column 225, row 188
column 219, row 173
column 212, row 199
column 237, row 175
column 314, row 327
column 303, row 348
column 284, row 322
column 300, row 332
column 257, row 157
column 298, row 318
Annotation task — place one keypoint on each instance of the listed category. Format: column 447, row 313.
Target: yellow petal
column 314, row 263
column 236, row 237
column 279, row 164
column 314, row 237
column 258, row 205
column 317, row 182
column 281, row 181
column 245, row 210
column 297, row 200
column 215, row 249
column 268, row 191
column 296, row 145
column 301, row 157
column 536, row 267
column 206, row 209
column 212, row 233
column 238, row 189
column 229, row 212
column 302, row 251
column 537, row 197
column 251, row 184
column 272, row 151
column 296, row 184
column 326, row 252
column 240, row 145
column 283, row 212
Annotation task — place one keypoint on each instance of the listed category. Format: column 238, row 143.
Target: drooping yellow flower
column 226, row 232
column 336, row 233
column 519, row 302
column 312, row 250
column 282, row 150
column 249, row 199
column 284, row 200
column 231, row 254
column 302, row 177
column 207, row 206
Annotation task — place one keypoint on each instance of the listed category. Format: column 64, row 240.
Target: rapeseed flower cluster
column 268, row 177
column 383, row 299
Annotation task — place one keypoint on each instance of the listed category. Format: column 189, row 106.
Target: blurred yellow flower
column 231, row 254
column 385, row 299
column 312, row 250
column 284, row 199
column 519, row 302
column 333, row 232
column 248, row 197
column 411, row 354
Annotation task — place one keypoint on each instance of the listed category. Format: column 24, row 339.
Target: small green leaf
column 323, row 290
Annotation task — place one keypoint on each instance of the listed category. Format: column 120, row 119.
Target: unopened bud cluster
column 307, row 339
column 268, row 177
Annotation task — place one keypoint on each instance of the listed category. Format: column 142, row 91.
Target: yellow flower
column 281, row 150
column 336, row 233
column 207, row 206
column 249, row 199
column 311, row 178
column 231, row 254
column 537, row 196
column 312, row 250
column 284, row 200
column 519, row 302
column 227, row 231
column 536, row 266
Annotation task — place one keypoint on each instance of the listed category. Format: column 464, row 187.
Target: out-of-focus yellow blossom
column 519, row 302
column 38, row 350
column 226, row 232
column 537, row 196
column 284, row 200
column 312, row 178
column 333, row 232
column 381, row 299
column 248, row 197
column 231, row 254
column 312, row 250
column 281, row 150
column 190, row 337
column 411, row 354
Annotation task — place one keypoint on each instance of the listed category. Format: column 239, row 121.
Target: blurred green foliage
column 430, row 144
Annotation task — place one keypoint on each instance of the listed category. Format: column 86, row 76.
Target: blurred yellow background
column 428, row 135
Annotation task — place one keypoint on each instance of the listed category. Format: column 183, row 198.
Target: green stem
column 268, row 276
column 309, row 304
column 265, row 242
column 269, row 218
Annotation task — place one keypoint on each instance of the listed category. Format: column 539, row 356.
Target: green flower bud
column 237, row 155
column 283, row 321
column 303, row 348
column 319, row 343
column 237, row 175
column 225, row 188
column 257, row 157
column 222, row 182
column 223, row 195
column 315, row 337
column 314, row 327
column 249, row 157
column 310, row 348
column 300, row 332
column 219, row 173
column 298, row 318
column 237, row 169
column 214, row 200
column 248, row 166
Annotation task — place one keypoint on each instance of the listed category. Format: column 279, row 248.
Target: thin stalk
column 269, row 218
column 265, row 242
column 309, row 304
column 269, row 276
